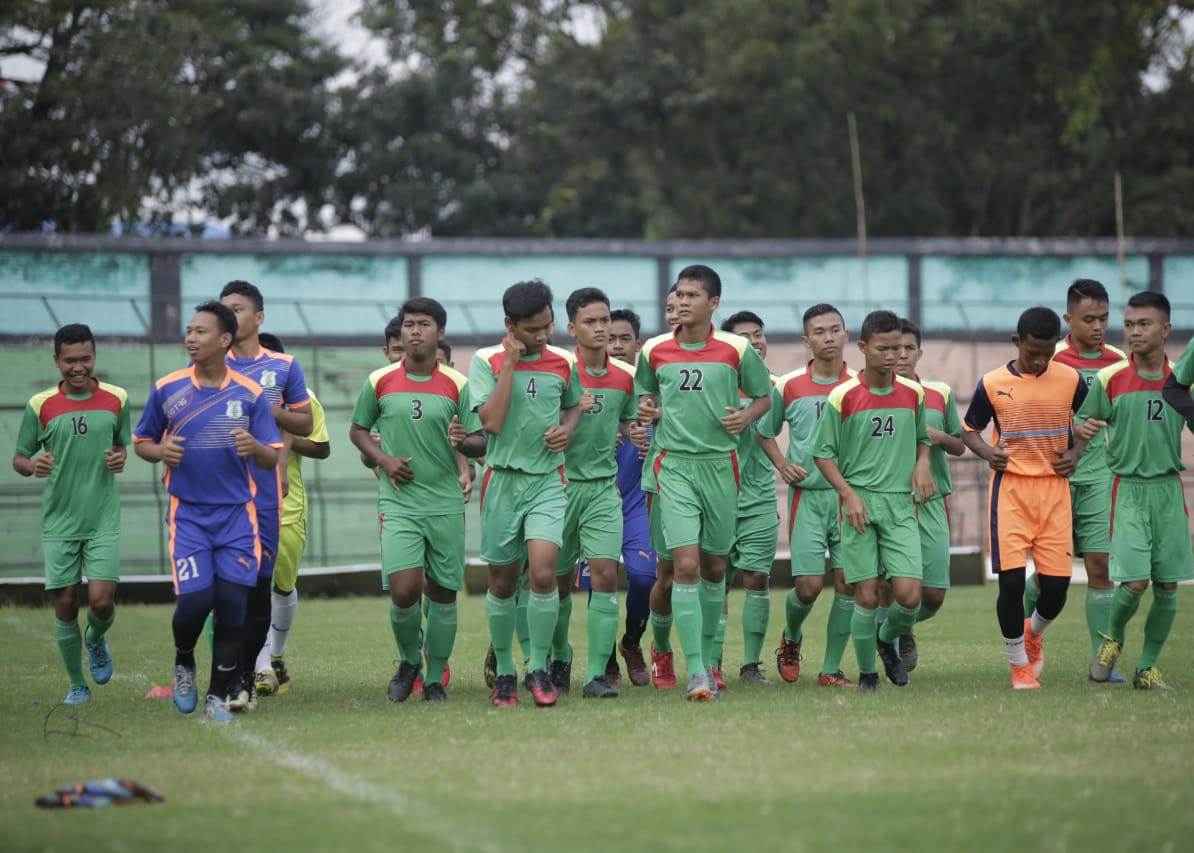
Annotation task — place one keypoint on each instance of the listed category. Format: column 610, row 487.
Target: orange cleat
column 1023, row 678
column 718, row 679
column 663, row 670
column 834, row 679
column 1034, row 646
column 505, row 692
column 787, row 659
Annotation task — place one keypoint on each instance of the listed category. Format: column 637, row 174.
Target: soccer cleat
column 279, row 667
column 1116, row 678
column 713, row 673
column 663, row 670
column 868, row 682
column 752, row 673
column 1150, row 678
column 245, row 696
column 1104, row 659
column 505, row 692
column 834, row 679
column 417, row 688
column 79, row 695
column 1034, row 647
column 99, row 661
column 490, row 667
column 613, row 673
column 543, row 691
column 1023, row 678
column 787, row 659
column 561, row 675
column 266, row 682
column 403, row 682
column 892, row 665
column 908, row 651
column 719, row 680
column 447, row 674
column 636, row 664
column 434, row 693
column 217, row 710
column 701, row 688
column 185, row 697
column 599, row 688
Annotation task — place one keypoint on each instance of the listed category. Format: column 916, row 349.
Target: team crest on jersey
column 234, row 410
column 269, row 379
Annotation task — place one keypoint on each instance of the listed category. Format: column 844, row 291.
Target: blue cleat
column 185, row 697
column 1116, row 677
column 216, row 711
column 99, row 661
column 80, row 695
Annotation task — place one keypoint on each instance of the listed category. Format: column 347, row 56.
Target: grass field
column 954, row 761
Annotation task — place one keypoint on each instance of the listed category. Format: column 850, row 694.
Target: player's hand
column 466, row 485
column 649, row 411
column 244, row 442
column 397, row 469
column 514, row 350
column 999, row 457
column 935, row 435
column 638, row 437
column 923, row 486
column 735, row 420
column 854, row 511
column 115, row 458
column 172, row 450
column 43, row 465
column 1088, row 429
column 1064, row 464
column 557, row 438
column 456, row 432
column 587, row 402
column 792, row 473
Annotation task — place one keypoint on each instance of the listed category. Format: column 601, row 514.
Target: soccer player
column 1150, row 535
column 526, row 394
column 210, row 426
column 872, row 446
column 593, row 513
column 1087, row 313
column 813, row 506
column 281, row 378
column 421, row 409
column 82, row 427
column 1030, row 399
column 272, row 676
column 698, row 373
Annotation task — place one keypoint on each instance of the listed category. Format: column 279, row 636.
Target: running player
column 872, row 446
column 210, row 426
column 272, row 676
column 1150, row 532
column 1087, row 312
column 814, row 528
column 697, row 374
column 82, row 427
column 1030, row 400
column 526, row 394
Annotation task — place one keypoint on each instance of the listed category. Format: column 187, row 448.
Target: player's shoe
column 1117, row 677
column 244, row 697
column 403, row 682
column 561, row 675
column 266, row 682
column 447, row 677
column 599, row 688
column 1034, row 647
column 80, row 695
column 1023, row 678
column 787, row 659
column 834, row 679
column 719, row 680
column 868, row 682
column 752, row 673
column 185, row 696
column 505, row 691
column 892, row 665
column 1150, row 678
column 1104, row 659
column 490, row 667
column 713, row 680
column 909, row 654
column 701, row 688
column 417, row 688
column 543, row 691
column 613, row 672
column 217, row 710
column 99, row 661
column 636, row 665
column 278, row 665
column 434, row 692
column 663, row 670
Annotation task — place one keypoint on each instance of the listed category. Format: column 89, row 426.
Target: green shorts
column 292, row 541
column 1150, row 531
column 933, row 521
column 755, row 539
column 592, row 523
column 698, row 496
column 517, row 507
column 67, row 561
column 890, row 544
column 1091, row 504
column 433, row 543
column 813, row 529
column 655, row 515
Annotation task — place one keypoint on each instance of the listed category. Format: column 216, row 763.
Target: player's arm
column 1178, row 397
column 923, row 484
column 152, row 440
column 493, row 410
column 825, row 443
column 28, row 443
column 755, row 382
column 261, row 442
column 736, row 420
column 297, row 418
column 367, row 413
column 978, row 417
column 294, row 421
column 467, row 437
column 1094, row 414
column 949, row 439
column 311, row 449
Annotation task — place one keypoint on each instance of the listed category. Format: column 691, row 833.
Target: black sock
column 186, row 658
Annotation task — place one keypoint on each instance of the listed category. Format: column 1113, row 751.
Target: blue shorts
column 212, row 540
column 269, row 525
column 637, row 556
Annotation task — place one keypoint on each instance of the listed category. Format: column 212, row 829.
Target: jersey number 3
column 416, row 410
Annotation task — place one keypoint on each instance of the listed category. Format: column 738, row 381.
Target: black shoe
column 490, row 667
column 868, row 682
column 403, row 681
column 908, row 651
column 505, row 692
column 561, row 676
column 752, row 673
column 599, row 688
column 434, row 693
column 892, row 664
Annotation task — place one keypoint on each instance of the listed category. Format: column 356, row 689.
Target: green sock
column 862, row 627
column 97, row 627
column 686, row 610
column 661, row 632
column 1032, row 591
column 926, row 612
column 881, row 615
column 795, row 612
column 521, row 625
column 601, row 631
column 500, row 613
column 711, row 596
column 543, row 612
column 900, row 620
column 837, row 632
column 1157, row 626
column 441, row 637
column 719, row 639
column 561, row 649
column 405, row 622
column 1123, row 607
column 70, row 646
column 1098, row 613
column 756, row 611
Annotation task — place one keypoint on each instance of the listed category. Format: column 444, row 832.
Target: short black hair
column 878, row 323
column 704, row 276
column 73, row 333
column 270, row 341
column 526, row 299
column 223, row 313
column 1143, row 299
column 1039, row 322
column 628, row 316
column 907, row 327
column 249, row 291
column 1085, row 288
column 420, row 305
column 820, row 310
column 393, row 330
column 583, row 297
column 446, row 348
column 671, row 289
column 741, row 317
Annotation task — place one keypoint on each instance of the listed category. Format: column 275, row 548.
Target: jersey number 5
column 883, row 427
column 690, row 380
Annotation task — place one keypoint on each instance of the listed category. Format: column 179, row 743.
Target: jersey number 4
column 531, row 390
column 690, row 379
column 883, row 427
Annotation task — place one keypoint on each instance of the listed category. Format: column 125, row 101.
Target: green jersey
column 873, row 433
column 544, row 384
column 412, row 415
column 804, row 398
column 80, row 499
column 590, row 454
column 1144, row 434
column 942, row 415
column 1183, row 371
column 696, row 384
column 756, row 486
column 1092, row 467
